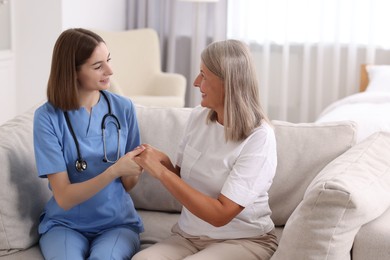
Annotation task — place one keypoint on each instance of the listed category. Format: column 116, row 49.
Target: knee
column 145, row 255
column 139, row 256
column 113, row 255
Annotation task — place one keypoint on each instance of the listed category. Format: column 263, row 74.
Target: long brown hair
column 71, row 50
column 231, row 61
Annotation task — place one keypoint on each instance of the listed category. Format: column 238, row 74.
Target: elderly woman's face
column 212, row 89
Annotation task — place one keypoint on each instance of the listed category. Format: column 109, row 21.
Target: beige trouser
column 183, row 246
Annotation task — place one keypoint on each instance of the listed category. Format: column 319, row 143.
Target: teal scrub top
column 55, row 151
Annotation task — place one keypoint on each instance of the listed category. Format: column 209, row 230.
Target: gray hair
column 231, row 61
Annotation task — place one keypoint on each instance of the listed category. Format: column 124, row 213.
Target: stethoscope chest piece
column 81, row 165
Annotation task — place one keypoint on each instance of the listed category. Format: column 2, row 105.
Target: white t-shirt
column 242, row 171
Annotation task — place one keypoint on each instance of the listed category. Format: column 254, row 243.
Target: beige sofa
column 329, row 198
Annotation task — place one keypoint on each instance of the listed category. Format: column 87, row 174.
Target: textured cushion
column 303, row 151
column 22, row 193
column 163, row 128
column 349, row 192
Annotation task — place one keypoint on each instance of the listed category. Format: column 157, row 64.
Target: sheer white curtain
column 184, row 28
column 308, row 52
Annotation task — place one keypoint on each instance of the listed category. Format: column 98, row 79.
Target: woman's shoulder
column 46, row 110
column 265, row 130
column 199, row 111
column 198, row 114
column 116, row 97
column 119, row 101
column 46, row 115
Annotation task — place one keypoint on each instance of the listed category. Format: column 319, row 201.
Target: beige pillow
column 163, row 128
column 350, row 192
column 303, row 151
column 22, row 193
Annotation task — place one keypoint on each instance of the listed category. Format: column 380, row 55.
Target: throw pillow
column 163, row 128
column 304, row 149
column 350, row 192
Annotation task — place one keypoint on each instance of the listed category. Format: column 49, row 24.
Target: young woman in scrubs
column 224, row 169
column 85, row 139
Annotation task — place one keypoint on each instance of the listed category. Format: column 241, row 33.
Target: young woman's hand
column 126, row 166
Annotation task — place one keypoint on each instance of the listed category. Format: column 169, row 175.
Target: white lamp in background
column 198, row 43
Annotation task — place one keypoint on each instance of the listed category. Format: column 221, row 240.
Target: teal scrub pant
column 63, row 243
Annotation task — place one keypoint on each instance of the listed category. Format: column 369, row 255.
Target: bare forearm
column 129, row 182
column 73, row 194
column 69, row 195
column 169, row 165
column 204, row 207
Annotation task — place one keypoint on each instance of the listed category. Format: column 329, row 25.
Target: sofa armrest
column 168, row 84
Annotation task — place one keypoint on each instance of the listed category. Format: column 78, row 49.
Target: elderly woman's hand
column 153, row 160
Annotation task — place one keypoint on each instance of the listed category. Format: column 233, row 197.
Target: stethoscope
column 81, row 164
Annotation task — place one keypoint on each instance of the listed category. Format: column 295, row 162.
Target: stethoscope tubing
column 80, row 163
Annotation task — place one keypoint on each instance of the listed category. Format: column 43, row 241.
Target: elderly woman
column 225, row 166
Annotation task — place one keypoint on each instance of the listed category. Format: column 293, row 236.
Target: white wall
column 94, row 14
column 36, row 26
column 7, row 90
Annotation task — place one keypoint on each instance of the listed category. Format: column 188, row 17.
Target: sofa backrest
column 303, row 150
column 22, row 194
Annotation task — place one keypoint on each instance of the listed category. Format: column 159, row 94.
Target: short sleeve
column 254, row 170
column 47, row 144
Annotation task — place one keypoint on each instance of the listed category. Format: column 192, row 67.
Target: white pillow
column 351, row 191
column 304, row 149
column 378, row 78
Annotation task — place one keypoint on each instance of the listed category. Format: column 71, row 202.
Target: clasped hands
column 151, row 159
column 142, row 157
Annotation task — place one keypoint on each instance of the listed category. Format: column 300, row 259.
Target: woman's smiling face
column 95, row 73
column 211, row 88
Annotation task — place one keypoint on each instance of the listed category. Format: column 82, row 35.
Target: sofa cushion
column 157, row 226
column 348, row 193
column 22, row 193
column 304, row 149
column 163, row 128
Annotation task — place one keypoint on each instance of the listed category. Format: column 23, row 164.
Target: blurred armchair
column 137, row 74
